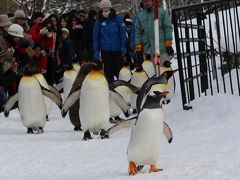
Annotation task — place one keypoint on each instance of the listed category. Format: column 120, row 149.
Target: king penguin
column 69, row 77
column 48, row 101
column 74, row 109
column 125, row 74
column 139, row 77
column 94, row 98
column 146, row 138
column 31, row 103
column 148, row 66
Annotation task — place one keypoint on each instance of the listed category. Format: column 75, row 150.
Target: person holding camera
column 7, row 78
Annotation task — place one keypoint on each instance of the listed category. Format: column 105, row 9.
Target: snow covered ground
column 205, row 147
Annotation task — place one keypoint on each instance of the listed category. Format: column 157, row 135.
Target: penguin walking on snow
column 94, row 98
column 146, row 138
column 48, row 101
column 139, row 77
column 31, row 103
column 74, row 109
column 69, row 77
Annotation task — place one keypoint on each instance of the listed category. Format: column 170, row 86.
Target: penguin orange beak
column 164, row 94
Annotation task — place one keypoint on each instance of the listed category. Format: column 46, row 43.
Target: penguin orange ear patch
column 164, row 94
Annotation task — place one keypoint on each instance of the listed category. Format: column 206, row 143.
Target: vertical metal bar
column 208, row 60
column 195, row 58
column 236, row 8
column 214, row 61
column 189, row 61
column 228, row 35
column 183, row 53
column 178, row 48
column 227, row 48
column 233, row 41
column 202, row 56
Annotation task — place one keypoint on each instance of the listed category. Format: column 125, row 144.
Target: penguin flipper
column 51, row 95
column 118, row 83
column 71, row 99
column 121, row 103
column 129, row 123
column 9, row 104
column 55, row 91
column 167, row 132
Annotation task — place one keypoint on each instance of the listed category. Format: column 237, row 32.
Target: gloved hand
column 138, row 48
column 170, row 50
column 167, row 64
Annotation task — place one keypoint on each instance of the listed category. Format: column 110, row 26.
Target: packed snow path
column 205, row 146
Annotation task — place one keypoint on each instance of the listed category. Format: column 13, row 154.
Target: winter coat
column 3, row 42
column 88, row 33
column 109, row 35
column 7, row 78
column 44, row 41
column 66, row 52
column 144, row 30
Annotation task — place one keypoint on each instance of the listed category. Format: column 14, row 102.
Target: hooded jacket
column 109, row 35
column 144, row 30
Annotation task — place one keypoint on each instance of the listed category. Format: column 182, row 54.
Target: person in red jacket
column 40, row 35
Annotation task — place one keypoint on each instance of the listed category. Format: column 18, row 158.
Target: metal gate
column 207, row 37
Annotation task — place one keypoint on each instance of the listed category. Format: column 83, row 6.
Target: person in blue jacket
column 66, row 51
column 109, row 39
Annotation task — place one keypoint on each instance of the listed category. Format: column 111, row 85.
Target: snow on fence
column 207, row 37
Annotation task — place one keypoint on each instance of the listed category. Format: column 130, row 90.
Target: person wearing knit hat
column 105, row 4
column 65, row 30
column 20, row 18
column 66, row 51
column 109, row 39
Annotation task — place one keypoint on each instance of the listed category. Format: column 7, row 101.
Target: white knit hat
column 65, row 30
column 105, row 4
column 19, row 14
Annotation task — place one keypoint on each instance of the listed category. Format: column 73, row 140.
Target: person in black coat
column 76, row 27
column 88, row 35
column 6, row 78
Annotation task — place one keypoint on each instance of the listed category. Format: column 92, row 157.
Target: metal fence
column 207, row 37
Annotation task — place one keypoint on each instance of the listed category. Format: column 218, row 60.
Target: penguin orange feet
column 153, row 168
column 132, row 169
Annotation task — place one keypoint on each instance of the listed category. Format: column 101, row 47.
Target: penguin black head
column 139, row 68
column 148, row 57
column 97, row 65
column 153, row 100
column 68, row 67
column 168, row 74
column 126, row 63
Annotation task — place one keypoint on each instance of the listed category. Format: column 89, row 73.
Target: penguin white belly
column 114, row 109
column 68, row 80
column 125, row 74
column 125, row 92
column 146, row 138
column 94, row 103
column 138, row 79
column 31, row 103
column 149, row 68
column 44, row 83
